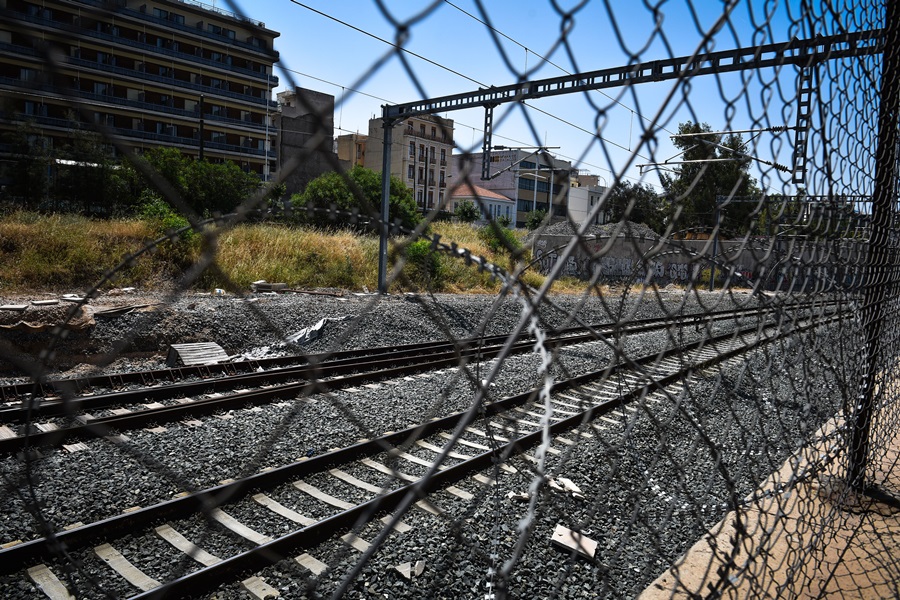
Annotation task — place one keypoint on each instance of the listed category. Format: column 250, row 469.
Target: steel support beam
column 796, row 52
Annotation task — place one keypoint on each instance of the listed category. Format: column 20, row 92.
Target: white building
column 491, row 204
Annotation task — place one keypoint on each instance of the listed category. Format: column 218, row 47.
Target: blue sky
column 333, row 47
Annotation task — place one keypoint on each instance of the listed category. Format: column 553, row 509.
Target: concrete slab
column 806, row 539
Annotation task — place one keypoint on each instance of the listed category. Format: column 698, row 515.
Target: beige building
column 420, row 156
column 351, row 150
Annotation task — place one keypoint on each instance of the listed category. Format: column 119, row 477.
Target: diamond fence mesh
column 762, row 466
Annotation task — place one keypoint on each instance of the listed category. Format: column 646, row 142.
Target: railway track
column 390, row 474
column 190, row 392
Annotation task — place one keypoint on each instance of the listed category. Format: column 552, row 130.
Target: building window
column 443, row 157
column 431, row 155
column 430, row 199
column 421, row 173
column 217, row 30
column 412, row 149
column 218, row 137
column 101, row 88
column 419, row 200
column 433, row 133
column 441, row 198
column 421, row 151
column 410, row 172
column 422, row 129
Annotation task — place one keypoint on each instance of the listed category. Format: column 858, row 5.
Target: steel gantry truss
column 805, row 54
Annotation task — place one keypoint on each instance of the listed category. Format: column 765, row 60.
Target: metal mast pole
column 385, row 201
column 881, row 268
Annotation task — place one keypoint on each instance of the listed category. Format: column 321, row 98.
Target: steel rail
column 319, row 383
column 241, row 374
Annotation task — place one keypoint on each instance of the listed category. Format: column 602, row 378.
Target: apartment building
column 420, row 156
column 173, row 73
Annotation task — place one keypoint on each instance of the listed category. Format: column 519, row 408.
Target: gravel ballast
column 651, row 484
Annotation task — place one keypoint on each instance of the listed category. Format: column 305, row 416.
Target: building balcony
column 125, row 103
column 115, row 40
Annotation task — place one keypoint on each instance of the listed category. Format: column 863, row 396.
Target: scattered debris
column 115, row 311
column 263, row 286
column 308, row 334
column 73, row 298
column 45, row 302
column 17, row 307
column 199, row 353
column 518, row 496
column 43, row 319
column 573, row 540
column 410, row 570
column 564, row 484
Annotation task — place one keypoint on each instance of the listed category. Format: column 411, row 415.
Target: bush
column 424, row 264
column 499, row 239
column 534, row 219
column 467, row 212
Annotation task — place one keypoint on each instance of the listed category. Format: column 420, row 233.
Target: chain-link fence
column 724, row 427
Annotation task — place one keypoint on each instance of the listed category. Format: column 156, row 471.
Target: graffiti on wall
column 619, row 268
column 613, row 267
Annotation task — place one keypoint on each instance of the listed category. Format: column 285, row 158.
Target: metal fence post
column 881, row 270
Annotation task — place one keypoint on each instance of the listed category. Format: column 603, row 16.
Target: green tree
column 467, row 212
column 29, row 170
column 203, row 186
column 636, row 202
column 359, row 189
column 714, row 165
column 534, row 219
column 86, row 179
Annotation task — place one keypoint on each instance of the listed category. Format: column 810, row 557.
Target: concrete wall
column 303, row 114
column 787, row 264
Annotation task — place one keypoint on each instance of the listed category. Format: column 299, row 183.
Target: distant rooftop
column 212, row 7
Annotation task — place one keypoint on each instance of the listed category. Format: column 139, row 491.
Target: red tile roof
column 465, row 191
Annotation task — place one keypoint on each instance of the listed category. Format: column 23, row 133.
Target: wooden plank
column 123, row 567
column 572, row 540
column 199, row 353
column 203, row 557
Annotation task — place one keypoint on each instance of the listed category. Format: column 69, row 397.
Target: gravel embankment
column 651, row 484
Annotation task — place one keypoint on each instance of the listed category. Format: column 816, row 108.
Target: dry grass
column 40, row 252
